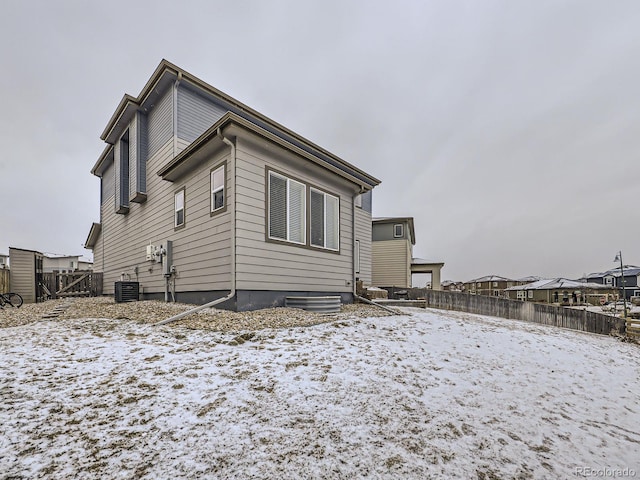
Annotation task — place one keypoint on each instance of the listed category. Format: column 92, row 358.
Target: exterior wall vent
column 328, row 304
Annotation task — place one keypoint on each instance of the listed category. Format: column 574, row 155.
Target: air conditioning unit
column 127, row 292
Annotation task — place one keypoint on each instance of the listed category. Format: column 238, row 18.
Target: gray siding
column 22, row 275
column 384, row 231
column 107, row 184
column 133, row 158
column 142, row 152
column 201, row 250
column 367, row 201
column 263, row 265
column 160, row 123
column 195, row 113
column 363, row 234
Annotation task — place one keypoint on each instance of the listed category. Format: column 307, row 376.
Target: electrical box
column 151, row 253
column 167, row 258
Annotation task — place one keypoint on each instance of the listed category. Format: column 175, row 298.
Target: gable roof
column 558, row 283
column 490, row 278
column 167, row 73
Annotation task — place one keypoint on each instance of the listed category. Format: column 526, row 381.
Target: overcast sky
column 509, row 130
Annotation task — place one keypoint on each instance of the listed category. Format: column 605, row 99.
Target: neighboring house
column 452, row 286
column 392, row 254
column 54, row 262
column 4, row 260
column 490, row 285
column 612, row 278
column 527, row 280
column 26, row 274
column 202, row 198
column 562, row 291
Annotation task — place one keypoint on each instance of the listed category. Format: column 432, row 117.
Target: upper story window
column 608, row 280
column 218, row 203
column 179, row 209
column 398, row 230
column 325, row 220
column 287, row 209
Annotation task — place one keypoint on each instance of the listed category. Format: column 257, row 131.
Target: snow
column 429, row 395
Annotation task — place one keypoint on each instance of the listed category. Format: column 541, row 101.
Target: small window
column 398, row 230
column 325, row 220
column 217, row 189
column 179, row 218
column 495, row 284
column 356, row 254
column 530, row 292
column 287, row 209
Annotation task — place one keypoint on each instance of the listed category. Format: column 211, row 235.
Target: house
column 562, row 291
column 53, row 262
column 392, row 254
column 26, row 272
column 613, row 278
column 4, row 260
column 527, row 280
column 490, row 285
column 452, row 286
column 204, row 198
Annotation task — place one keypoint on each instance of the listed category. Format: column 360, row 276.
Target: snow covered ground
column 431, row 395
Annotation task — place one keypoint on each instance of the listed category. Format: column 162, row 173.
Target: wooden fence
column 76, row 284
column 4, row 280
column 575, row 319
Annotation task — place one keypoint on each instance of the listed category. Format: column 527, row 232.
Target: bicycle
column 11, row 299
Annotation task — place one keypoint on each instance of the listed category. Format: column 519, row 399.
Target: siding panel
column 195, row 114
column 22, row 274
column 266, row 265
column 201, row 250
column 160, row 123
column 390, row 262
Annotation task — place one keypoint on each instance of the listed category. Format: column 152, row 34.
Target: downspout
column 353, row 258
column 232, row 293
column 353, row 241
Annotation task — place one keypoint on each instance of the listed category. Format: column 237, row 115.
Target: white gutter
column 232, row 293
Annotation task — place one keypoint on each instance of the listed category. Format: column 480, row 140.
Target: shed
column 26, row 273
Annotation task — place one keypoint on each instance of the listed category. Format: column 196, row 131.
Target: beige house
column 203, row 198
column 562, row 291
column 393, row 263
column 53, row 262
column 490, row 285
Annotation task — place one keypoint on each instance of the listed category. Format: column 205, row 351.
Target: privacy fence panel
column 575, row 319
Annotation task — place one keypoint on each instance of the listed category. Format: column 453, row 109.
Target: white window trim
column 216, row 190
column 401, row 230
column 324, row 240
column 180, row 192
column 288, row 213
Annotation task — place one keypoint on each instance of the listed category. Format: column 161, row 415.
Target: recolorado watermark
column 590, row 472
